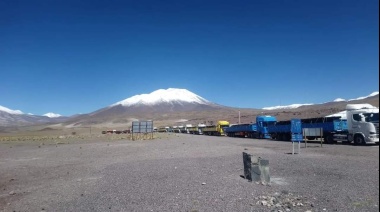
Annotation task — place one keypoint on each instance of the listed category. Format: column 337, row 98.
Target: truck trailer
column 256, row 130
column 330, row 125
column 217, row 129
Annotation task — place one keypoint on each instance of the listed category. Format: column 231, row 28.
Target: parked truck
column 330, row 125
column 254, row 130
column 162, row 129
column 176, row 129
column 196, row 130
column 217, row 129
column 362, row 125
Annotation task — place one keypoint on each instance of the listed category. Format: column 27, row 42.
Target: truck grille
column 377, row 128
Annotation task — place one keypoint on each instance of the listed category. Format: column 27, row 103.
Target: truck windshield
column 269, row 123
column 371, row 117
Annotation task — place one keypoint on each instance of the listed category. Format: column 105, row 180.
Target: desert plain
column 85, row 171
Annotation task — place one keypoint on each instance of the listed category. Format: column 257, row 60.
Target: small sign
column 142, row 126
column 297, row 137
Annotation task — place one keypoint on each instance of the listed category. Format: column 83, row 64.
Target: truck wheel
column 287, row 137
column 329, row 139
column 282, row 137
column 359, row 140
column 261, row 136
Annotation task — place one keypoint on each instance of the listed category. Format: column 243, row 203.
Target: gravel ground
column 180, row 172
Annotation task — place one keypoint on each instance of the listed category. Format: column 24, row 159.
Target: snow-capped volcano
column 161, row 101
column 170, row 95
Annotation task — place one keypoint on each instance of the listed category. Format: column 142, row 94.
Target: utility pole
column 239, row 116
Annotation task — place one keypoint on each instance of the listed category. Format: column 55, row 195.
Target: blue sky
column 73, row 57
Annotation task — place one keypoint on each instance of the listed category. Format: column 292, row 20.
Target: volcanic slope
column 163, row 105
column 179, row 106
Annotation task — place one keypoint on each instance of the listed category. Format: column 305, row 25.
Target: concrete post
column 264, row 168
column 247, row 166
column 255, row 168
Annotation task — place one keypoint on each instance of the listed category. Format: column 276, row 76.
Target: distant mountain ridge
column 293, row 106
column 171, row 105
column 10, row 111
column 9, row 117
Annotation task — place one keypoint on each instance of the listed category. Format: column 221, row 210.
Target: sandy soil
column 179, row 172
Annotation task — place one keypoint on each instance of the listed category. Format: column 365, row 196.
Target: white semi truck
column 362, row 125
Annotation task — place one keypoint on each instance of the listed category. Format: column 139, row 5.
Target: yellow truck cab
column 216, row 129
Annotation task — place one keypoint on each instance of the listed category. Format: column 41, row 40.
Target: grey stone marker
column 247, row 166
column 255, row 168
column 264, row 167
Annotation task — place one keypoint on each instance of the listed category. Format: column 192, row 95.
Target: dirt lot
column 181, row 172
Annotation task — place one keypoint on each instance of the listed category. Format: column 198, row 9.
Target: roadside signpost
column 142, row 129
column 296, row 130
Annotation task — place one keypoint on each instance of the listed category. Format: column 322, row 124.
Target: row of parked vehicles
column 116, row 131
column 359, row 124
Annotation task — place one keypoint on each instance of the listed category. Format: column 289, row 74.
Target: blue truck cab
column 253, row 130
column 262, row 123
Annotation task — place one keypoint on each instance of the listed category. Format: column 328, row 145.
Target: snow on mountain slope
column 293, row 106
column 359, row 98
column 364, row 97
column 52, row 115
column 339, row 100
column 163, row 96
column 18, row 112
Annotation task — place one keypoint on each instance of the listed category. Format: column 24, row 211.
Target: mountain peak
column 169, row 95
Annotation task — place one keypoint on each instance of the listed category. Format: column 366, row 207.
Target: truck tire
column 329, row 139
column 359, row 140
column 287, row 137
column 278, row 137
